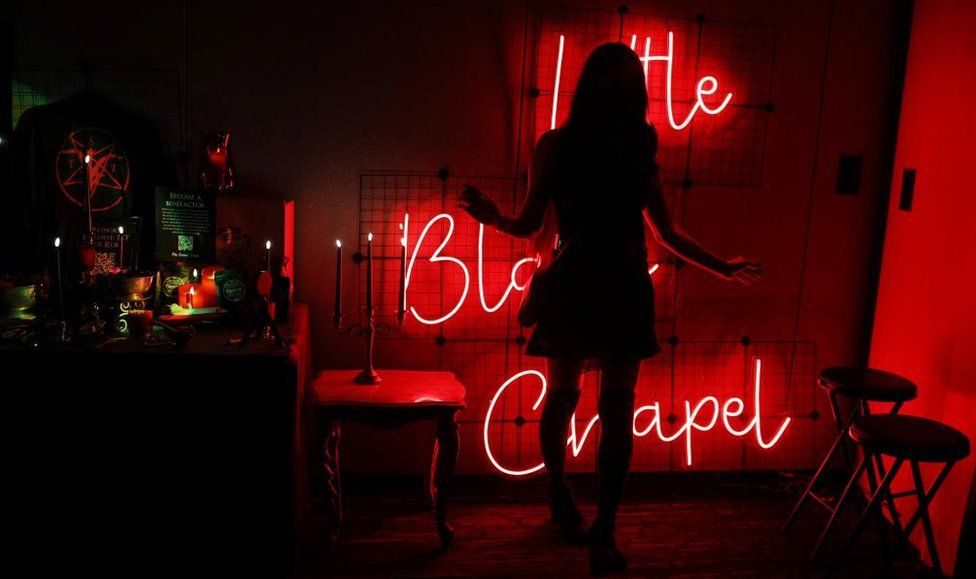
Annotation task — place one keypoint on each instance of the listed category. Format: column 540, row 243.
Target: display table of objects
column 136, row 457
column 402, row 397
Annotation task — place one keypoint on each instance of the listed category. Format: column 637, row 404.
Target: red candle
column 189, row 296
column 206, row 295
column 337, row 313
column 369, row 274
column 57, row 255
column 402, row 303
column 121, row 262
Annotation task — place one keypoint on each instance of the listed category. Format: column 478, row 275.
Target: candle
column 57, row 258
column 402, row 304
column 207, row 296
column 337, row 314
column 369, row 274
column 267, row 248
column 121, row 262
column 201, row 296
column 196, row 275
column 88, row 195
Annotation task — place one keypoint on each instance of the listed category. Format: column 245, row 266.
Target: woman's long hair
column 611, row 94
column 610, row 103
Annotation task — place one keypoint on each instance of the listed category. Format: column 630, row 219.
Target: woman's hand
column 479, row 206
column 743, row 271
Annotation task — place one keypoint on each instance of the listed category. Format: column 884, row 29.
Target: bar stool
column 916, row 440
column 861, row 385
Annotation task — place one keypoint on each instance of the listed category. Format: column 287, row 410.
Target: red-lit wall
column 925, row 325
column 317, row 93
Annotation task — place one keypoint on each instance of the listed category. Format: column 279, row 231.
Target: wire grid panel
column 672, row 386
column 688, row 373
column 458, row 288
column 485, row 348
column 725, row 149
column 154, row 93
column 463, row 285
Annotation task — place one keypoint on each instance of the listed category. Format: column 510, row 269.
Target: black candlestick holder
column 368, row 330
column 369, row 375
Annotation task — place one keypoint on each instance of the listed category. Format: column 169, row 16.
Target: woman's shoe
column 566, row 516
column 604, row 561
column 605, row 558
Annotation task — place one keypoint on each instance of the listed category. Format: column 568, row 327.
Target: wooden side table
column 404, row 396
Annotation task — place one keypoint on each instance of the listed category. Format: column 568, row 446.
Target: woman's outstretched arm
column 530, row 217
column 658, row 217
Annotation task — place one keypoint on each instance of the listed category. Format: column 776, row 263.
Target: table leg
column 333, row 482
column 445, row 458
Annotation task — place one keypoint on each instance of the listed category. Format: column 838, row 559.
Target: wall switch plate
column 907, row 190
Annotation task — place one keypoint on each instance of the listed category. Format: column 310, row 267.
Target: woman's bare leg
column 616, row 409
column 561, row 399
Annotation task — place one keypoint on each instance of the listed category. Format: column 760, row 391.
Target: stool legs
column 875, row 469
column 813, row 480
column 839, row 442
column 926, row 522
column 879, row 465
column 873, row 504
column 851, row 483
column 874, row 487
column 921, row 513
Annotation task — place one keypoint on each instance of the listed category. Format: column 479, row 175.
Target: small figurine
column 218, row 167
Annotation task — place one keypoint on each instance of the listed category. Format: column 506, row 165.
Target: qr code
column 184, row 243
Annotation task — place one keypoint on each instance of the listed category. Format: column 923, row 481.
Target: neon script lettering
column 438, row 256
column 704, row 416
column 707, row 85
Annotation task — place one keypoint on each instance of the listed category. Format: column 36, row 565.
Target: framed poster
column 185, row 225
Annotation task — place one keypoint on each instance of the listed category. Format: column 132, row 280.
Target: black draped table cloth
column 144, row 459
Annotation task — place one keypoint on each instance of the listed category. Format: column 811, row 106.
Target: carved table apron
column 404, row 396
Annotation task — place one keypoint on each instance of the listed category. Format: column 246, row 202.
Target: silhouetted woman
column 599, row 174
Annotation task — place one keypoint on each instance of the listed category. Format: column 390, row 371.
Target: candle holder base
column 63, row 334
column 368, row 377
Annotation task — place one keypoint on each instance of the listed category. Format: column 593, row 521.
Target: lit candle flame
column 338, row 243
column 370, row 236
column 121, row 230
column 194, row 272
column 267, row 244
column 193, row 291
column 87, row 159
column 57, row 242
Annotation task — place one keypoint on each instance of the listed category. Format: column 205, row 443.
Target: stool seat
column 867, row 384
column 910, row 437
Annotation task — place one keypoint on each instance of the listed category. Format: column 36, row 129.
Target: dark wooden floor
column 671, row 525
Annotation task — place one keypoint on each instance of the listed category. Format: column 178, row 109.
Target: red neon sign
column 733, row 407
column 706, row 86
column 438, row 256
